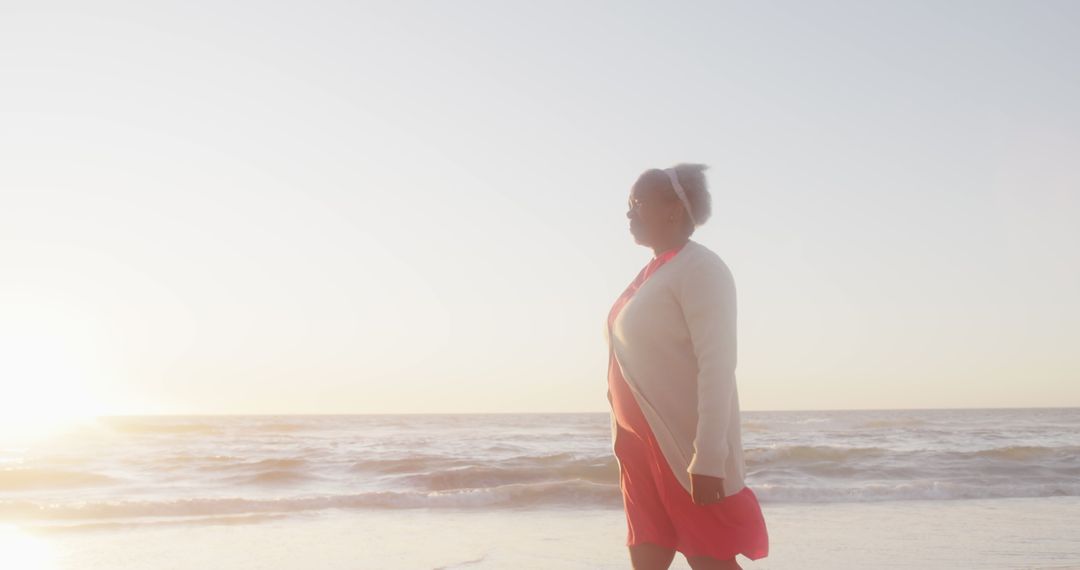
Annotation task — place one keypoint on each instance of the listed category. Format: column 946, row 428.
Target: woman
column 671, row 382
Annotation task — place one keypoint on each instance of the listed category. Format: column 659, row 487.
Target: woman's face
column 649, row 212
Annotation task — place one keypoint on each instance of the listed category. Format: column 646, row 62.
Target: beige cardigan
column 675, row 344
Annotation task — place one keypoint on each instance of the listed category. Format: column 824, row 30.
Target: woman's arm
column 707, row 298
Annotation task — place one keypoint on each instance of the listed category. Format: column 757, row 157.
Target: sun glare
column 45, row 389
column 25, row 551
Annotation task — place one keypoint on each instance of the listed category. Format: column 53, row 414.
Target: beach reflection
column 25, row 551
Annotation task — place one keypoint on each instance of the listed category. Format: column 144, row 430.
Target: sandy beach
column 1019, row 533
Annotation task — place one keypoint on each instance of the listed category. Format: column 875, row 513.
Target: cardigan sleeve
column 707, row 298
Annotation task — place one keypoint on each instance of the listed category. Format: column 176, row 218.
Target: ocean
column 124, row 472
column 124, row 468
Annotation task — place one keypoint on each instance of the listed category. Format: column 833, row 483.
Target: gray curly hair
column 692, row 179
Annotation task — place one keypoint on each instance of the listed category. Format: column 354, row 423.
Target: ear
column 677, row 213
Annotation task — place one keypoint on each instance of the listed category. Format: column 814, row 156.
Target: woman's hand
column 706, row 489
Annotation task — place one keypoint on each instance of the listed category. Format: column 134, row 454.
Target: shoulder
column 702, row 260
column 706, row 278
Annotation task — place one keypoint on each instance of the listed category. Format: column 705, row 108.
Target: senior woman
column 671, row 382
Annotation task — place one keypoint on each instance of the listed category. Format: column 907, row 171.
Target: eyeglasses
column 633, row 203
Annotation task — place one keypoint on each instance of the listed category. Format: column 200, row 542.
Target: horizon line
column 572, row 413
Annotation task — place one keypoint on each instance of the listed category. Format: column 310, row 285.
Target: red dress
column 659, row 510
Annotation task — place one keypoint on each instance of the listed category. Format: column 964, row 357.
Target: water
column 213, row 467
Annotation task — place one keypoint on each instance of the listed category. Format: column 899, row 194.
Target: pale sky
column 397, row 207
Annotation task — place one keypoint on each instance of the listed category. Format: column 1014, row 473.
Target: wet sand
column 1037, row 533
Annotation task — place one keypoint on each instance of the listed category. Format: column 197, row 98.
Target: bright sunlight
column 46, row 382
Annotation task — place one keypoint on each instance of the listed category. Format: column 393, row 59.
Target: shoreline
column 953, row 534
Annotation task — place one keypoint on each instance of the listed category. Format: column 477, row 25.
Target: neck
column 670, row 243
